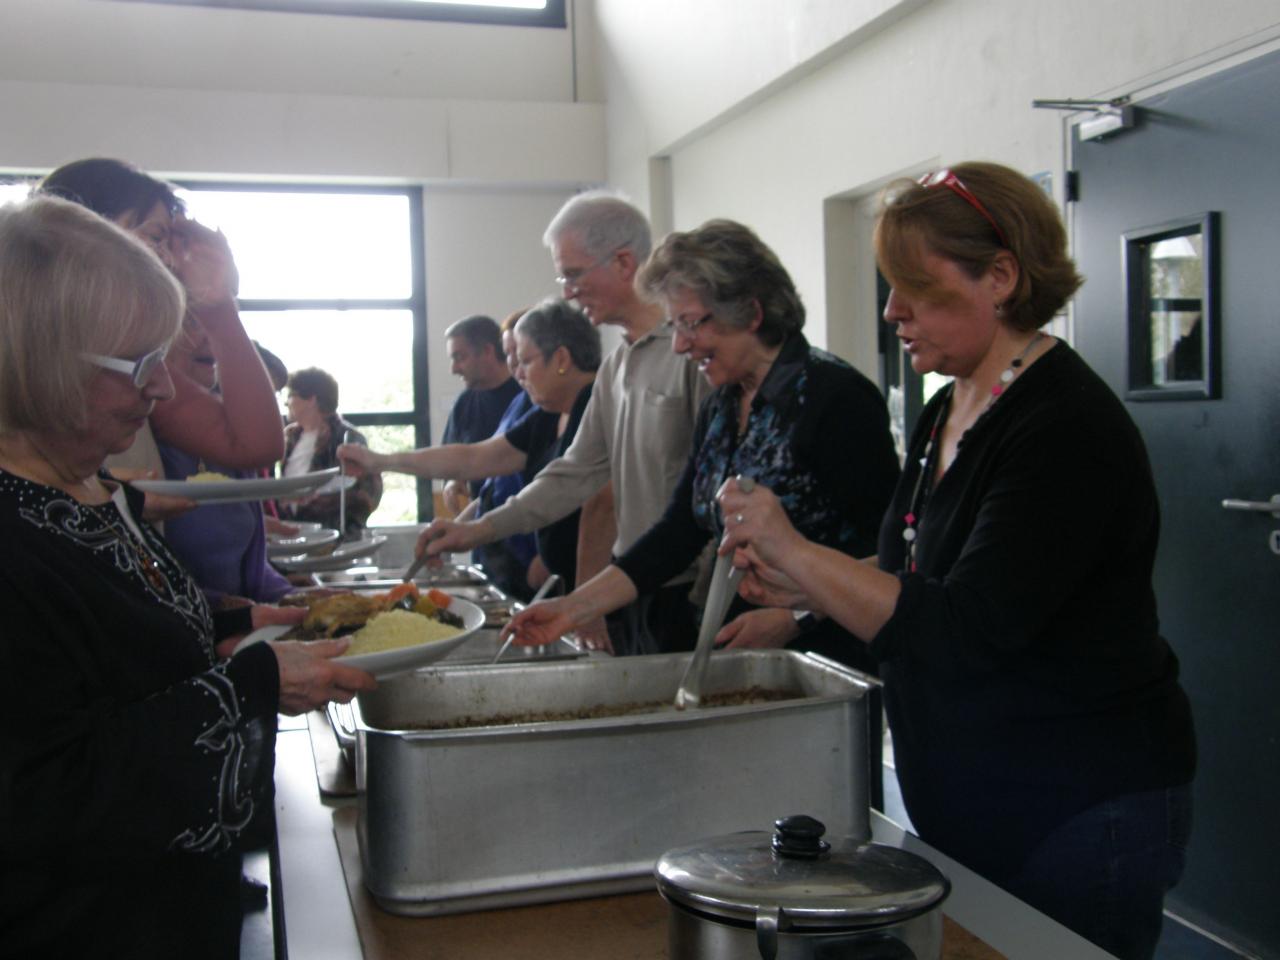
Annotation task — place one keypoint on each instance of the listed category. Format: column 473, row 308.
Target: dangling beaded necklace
column 928, row 462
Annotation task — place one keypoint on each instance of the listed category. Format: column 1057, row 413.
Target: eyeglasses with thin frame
column 139, row 371
column 690, row 330
column 945, row 178
column 572, row 278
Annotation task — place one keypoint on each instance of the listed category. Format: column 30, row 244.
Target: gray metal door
column 1211, row 147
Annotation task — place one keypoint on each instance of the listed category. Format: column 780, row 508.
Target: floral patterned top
column 817, row 436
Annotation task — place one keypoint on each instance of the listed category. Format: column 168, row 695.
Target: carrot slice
column 439, row 598
column 401, row 591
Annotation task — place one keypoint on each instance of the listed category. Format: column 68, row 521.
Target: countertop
column 319, row 921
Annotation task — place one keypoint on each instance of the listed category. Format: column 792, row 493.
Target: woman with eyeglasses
column 1040, row 734
column 558, row 354
column 239, row 427
column 792, row 417
column 133, row 760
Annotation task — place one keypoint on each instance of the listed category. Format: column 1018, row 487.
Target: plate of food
column 306, row 541
column 341, row 556
column 393, row 632
column 211, row 487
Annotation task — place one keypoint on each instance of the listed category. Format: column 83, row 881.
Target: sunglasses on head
column 945, row 178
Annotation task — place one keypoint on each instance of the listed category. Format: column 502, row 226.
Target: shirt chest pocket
column 666, row 427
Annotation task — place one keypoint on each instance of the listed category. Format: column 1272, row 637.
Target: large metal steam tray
column 524, row 810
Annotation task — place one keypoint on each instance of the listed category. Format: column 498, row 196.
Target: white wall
column 491, row 120
column 842, row 104
column 484, row 241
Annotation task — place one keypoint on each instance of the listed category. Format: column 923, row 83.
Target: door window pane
column 1170, row 272
column 312, row 245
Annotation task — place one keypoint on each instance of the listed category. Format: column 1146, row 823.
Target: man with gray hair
column 636, row 432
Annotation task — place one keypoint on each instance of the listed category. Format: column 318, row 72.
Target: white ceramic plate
column 341, row 557
column 233, row 491
column 304, row 526
column 305, row 542
column 388, row 663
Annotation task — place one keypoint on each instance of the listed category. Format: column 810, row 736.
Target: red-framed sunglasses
column 945, row 178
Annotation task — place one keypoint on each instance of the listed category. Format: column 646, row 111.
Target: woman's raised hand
column 203, row 262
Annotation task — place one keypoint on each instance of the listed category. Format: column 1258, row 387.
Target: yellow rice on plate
column 396, row 629
column 207, row 476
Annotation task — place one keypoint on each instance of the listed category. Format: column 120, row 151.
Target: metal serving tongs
column 724, row 584
column 347, row 437
column 547, row 586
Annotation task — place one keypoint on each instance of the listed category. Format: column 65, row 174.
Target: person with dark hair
column 312, row 439
column 558, row 353
column 1040, row 734
column 776, row 408
column 236, row 427
column 135, row 760
column 635, row 433
column 476, row 356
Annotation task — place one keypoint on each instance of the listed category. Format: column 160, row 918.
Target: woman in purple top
column 223, row 545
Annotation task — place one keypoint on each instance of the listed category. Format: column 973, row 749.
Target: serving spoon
column 724, row 584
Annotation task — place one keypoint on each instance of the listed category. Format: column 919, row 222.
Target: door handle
column 1256, row 506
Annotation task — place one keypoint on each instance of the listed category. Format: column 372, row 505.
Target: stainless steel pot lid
column 814, row 883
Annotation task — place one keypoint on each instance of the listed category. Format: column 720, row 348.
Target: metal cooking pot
column 793, row 896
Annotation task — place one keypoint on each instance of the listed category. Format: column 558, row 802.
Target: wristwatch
column 805, row 620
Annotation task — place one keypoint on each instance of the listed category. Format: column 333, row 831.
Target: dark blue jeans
column 1105, row 872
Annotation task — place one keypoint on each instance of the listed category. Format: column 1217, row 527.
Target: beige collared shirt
column 637, row 430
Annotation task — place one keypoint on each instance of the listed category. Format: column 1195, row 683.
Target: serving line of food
column 464, row 797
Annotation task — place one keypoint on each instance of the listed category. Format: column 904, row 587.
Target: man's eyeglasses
column 945, row 178
column 139, row 371
column 690, row 329
column 571, row 278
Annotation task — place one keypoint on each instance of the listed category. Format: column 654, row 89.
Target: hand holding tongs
column 547, row 586
column 724, row 584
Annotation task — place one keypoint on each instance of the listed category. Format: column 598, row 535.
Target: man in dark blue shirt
column 475, row 355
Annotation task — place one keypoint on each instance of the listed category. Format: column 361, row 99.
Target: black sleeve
column 84, row 773
column 228, row 623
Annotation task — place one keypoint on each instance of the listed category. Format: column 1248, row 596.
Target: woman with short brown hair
column 1040, row 734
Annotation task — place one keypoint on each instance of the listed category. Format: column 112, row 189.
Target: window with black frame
column 332, row 277
column 514, row 13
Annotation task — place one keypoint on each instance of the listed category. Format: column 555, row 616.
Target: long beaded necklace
column 928, row 462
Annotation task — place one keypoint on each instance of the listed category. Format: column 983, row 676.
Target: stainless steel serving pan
column 526, row 812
